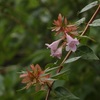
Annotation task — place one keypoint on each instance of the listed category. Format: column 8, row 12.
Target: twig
column 90, row 21
column 69, row 53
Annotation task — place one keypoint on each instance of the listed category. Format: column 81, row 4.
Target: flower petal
column 71, row 43
column 32, row 67
column 57, row 53
column 69, row 38
column 23, row 75
column 67, row 48
column 53, row 46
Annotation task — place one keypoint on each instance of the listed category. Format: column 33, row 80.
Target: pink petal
column 32, row 67
column 26, row 80
column 71, row 43
column 23, row 75
column 57, row 53
column 76, row 41
column 38, row 68
column 73, row 48
column 69, row 38
column 54, row 45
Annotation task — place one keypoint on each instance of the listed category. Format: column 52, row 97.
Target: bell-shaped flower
column 53, row 46
column 57, row 53
column 71, row 43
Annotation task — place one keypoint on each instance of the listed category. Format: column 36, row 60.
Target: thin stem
column 48, row 92
column 92, row 18
column 70, row 52
column 67, row 56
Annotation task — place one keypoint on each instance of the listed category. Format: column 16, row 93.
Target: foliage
column 23, row 33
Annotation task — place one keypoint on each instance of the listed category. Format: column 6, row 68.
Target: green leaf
column 80, row 21
column 60, row 74
column 51, row 69
column 72, row 59
column 86, row 37
column 95, row 23
column 86, row 53
column 64, row 94
column 21, row 89
column 89, row 6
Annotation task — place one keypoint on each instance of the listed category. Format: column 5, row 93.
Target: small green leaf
column 89, row 6
column 72, row 59
column 50, row 69
column 95, row 23
column 60, row 74
column 21, row 89
column 80, row 21
column 86, row 37
column 86, row 53
column 64, row 94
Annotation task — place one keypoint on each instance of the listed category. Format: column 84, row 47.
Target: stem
column 92, row 18
column 70, row 52
column 48, row 92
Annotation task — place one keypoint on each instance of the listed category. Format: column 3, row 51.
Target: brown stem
column 70, row 52
column 48, row 92
column 90, row 21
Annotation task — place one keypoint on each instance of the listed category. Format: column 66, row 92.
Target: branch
column 70, row 52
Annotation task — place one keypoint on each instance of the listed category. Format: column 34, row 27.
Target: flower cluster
column 36, row 77
column 68, row 38
column 61, row 26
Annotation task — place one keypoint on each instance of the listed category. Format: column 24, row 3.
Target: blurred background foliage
column 24, row 30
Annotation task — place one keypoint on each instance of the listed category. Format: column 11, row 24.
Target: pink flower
column 54, row 45
column 55, row 51
column 71, row 45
